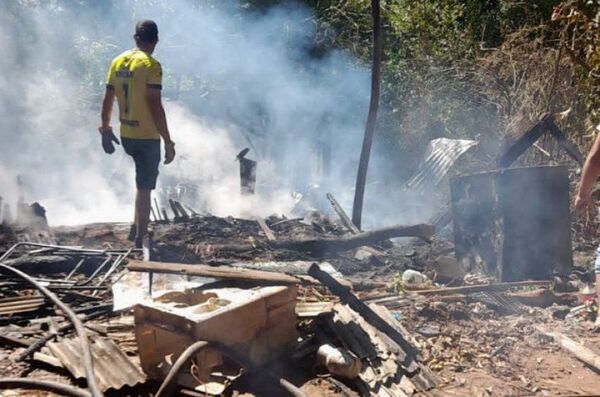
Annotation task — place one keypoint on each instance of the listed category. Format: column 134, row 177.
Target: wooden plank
column 13, row 341
column 577, row 349
column 483, row 287
column 223, row 272
column 265, row 228
column 342, row 214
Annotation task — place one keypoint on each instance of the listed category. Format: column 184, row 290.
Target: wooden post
column 365, row 153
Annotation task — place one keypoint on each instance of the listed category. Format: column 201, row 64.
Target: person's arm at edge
column 589, row 175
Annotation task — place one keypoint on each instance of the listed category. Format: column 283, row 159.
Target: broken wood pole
column 176, row 214
column 164, row 214
column 157, row 209
column 365, row 311
column 365, row 153
column 153, row 214
column 470, row 289
column 321, row 246
column 223, row 272
column 342, row 214
column 181, row 210
column 564, row 142
column 581, row 352
column 265, row 228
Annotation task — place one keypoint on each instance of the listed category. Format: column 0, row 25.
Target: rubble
column 408, row 342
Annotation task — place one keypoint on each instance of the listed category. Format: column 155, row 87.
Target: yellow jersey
column 131, row 74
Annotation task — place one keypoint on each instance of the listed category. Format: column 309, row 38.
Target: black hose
column 166, row 388
column 36, row 384
column 81, row 333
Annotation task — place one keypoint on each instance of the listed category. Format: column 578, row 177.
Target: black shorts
column 146, row 155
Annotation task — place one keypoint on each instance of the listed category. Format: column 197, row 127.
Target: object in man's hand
column 108, row 137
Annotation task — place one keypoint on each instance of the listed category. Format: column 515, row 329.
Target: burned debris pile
column 232, row 305
column 252, row 291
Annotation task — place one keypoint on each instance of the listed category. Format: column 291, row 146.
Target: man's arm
column 590, row 173
column 107, row 105
column 160, row 120
column 158, row 113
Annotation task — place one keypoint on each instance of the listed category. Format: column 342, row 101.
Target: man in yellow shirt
column 135, row 79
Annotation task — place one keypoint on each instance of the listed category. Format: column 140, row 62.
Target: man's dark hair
column 146, row 31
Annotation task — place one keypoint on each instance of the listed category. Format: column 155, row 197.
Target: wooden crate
column 259, row 323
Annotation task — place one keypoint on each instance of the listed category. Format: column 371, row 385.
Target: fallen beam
column 346, row 243
column 365, row 311
column 581, row 352
column 528, row 138
column 342, row 214
column 223, row 272
column 483, row 287
column 265, row 229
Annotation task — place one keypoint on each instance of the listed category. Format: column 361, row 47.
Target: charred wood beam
column 222, row 272
column 524, row 142
column 182, row 210
column 365, row 311
column 176, row 214
column 563, row 141
column 484, row 287
column 577, row 349
column 266, row 229
column 546, row 123
column 342, row 214
column 322, row 246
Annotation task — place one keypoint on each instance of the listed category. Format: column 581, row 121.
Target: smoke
column 233, row 78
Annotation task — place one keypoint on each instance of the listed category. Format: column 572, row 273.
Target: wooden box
column 259, row 323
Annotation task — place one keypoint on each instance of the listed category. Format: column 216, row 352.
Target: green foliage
column 471, row 68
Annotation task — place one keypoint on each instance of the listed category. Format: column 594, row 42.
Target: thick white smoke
column 233, row 78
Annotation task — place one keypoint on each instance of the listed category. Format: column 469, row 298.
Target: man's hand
column 108, row 137
column 169, row 152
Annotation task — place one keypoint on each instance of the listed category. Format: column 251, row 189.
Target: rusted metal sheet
column 113, row 369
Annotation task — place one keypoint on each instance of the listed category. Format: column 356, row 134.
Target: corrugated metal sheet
column 441, row 154
column 112, row 367
column 21, row 304
column 313, row 309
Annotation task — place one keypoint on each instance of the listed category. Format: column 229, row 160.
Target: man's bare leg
column 142, row 214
